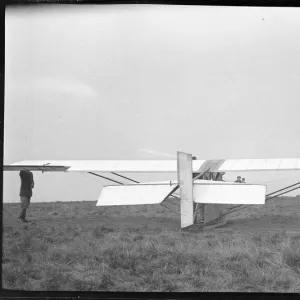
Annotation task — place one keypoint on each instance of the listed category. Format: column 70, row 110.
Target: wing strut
column 283, row 189
column 106, row 178
column 125, row 177
column 268, row 198
column 135, row 181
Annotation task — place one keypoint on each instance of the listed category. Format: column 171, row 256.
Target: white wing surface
column 125, row 166
column 204, row 191
column 273, row 164
column 133, row 194
column 229, row 193
column 154, row 166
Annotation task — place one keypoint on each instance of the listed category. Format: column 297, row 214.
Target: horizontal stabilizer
column 229, row 193
column 136, row 194
column 204, row 191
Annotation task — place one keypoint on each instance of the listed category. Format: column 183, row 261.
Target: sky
column 145, row 81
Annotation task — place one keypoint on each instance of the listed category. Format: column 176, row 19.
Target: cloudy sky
column 145, row 81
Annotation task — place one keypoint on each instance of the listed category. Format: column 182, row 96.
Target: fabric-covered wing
column 47, row 168
column 155, row 166
column 273, row 164
column 125, row 166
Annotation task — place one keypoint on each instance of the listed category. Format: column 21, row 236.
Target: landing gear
column 210, row 214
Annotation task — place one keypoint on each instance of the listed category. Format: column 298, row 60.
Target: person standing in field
column 27, row 184
column 238, row 180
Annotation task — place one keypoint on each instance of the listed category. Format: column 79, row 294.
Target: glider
column 199, row 183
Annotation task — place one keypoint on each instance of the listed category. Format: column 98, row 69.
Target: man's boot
column 22, row 216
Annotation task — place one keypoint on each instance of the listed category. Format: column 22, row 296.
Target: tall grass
column 56, row 254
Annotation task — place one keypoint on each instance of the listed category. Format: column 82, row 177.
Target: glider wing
column 155, row 166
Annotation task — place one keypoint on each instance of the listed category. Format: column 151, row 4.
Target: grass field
column 78, row 246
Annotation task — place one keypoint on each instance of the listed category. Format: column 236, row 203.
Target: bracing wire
column 283, row 189
column 170, row 209
column 298, row 187
column 201, row 205
column 135, row 181
column 89, row 176
column 275, row 192
column 101, row 176
column 132, row 180
column 169, row 201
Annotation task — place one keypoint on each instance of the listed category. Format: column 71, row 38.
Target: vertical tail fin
column 185, row 180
